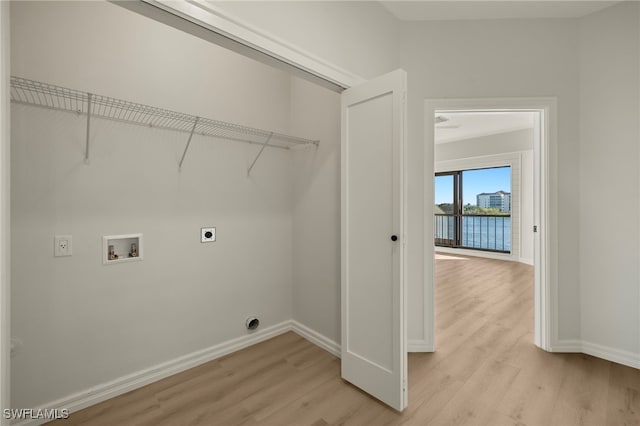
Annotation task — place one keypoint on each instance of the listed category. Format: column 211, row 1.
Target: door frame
column 545, row 203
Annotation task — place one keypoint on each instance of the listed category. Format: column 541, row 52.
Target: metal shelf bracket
column 86, row 149
column 193, row 129
column 264, row 145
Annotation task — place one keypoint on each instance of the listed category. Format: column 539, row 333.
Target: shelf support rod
column 193, row 129
column 86, row 149
column 264, row 145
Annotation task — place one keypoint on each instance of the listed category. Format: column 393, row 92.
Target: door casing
column 545, row 205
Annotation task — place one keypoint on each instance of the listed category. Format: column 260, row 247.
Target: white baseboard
column 334, row 347
column 316, row 338
column 566, row 346
column 478, row 253
column 627, row 358
column 526, row 261
column 97, row 394
column 420, row 346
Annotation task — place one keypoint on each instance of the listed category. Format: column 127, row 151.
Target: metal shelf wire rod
column 31, row 92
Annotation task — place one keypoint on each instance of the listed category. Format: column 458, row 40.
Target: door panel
column 373, row 326
column 366, row 231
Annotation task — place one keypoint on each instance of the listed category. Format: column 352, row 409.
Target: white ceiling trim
column 439, row 10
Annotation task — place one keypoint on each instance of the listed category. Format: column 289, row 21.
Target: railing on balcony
column 472, row 231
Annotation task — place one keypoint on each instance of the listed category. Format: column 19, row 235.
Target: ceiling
column 427, row 10
column 466, row 125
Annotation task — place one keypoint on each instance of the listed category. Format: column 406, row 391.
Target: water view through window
column 473, row 209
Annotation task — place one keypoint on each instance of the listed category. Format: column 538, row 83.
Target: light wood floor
column 486, row 371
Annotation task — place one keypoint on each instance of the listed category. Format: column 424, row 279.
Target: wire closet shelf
column 31, row 92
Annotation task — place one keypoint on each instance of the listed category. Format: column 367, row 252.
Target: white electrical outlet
column 207, row 235
column 62, row 245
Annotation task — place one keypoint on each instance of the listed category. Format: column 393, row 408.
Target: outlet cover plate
column 207, row 235
column 62, row 245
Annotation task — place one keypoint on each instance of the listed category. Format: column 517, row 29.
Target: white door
column 374, row 353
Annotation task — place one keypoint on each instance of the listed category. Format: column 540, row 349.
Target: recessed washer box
column 207, row 235
column 121, row 248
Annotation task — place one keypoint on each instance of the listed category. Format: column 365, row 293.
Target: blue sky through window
column 474, row 182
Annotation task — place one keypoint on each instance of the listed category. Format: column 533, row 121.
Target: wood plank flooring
column 486, row 371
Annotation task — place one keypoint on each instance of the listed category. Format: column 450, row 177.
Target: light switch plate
column 207, row 235
column 62, row 245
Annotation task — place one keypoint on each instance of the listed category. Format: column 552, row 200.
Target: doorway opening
column 480, row 134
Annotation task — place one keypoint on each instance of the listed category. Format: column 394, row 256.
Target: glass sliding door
column 446, row 209
column 473, row 209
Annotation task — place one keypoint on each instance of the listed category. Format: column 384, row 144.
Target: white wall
column 360, row 37
column 475, row 151
column 609, row 197
column 488, row 59
column 316, row 210
column 112, row 51
column 465, row 59
column 447, row 60
column 539, row 58
column 5, row 260
column 500, row 143
column 81, row 323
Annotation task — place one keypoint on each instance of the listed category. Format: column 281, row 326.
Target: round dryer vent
column 252, row 323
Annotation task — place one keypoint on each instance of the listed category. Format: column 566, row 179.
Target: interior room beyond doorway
column 489, row 133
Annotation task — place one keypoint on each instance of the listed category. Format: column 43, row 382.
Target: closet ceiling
column 479, row 9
